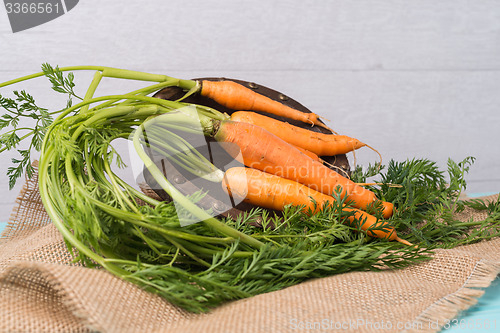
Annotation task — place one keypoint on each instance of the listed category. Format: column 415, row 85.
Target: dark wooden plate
column 186, row 184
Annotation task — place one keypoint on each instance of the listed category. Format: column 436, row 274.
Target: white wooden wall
column 412, row 78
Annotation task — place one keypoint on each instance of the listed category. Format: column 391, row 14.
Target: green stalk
column 211, row 252
column 91, row 90
column 141, row 92
column 121, row 197
column 166, row 103
column 135, row 218
column 153, row 245
column 197, row 164
column 113, row 211
column 190, row 254
column 76, row 185
column 20, row 139
column 134, row 192
column 39, row 74
column 45, row 195
column 191, row 118
column 185, row 235
column 112, row 73
column 114, row 112
column 172, row 157
column 186, row 203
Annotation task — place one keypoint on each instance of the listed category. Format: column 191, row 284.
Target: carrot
column 237, row 97
column 310, row 154
column 264, row 151
column 273, row 192
column 318, row 159
column 319, row 143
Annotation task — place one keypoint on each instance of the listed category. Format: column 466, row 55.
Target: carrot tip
column 404, row 241
column 320, row 124
column 335, row 168
column 378, row 153
column 321, row 117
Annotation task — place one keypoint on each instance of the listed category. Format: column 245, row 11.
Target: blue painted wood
column 2, row 226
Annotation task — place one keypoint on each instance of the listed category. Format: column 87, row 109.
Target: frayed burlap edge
column 28, row 199
column 438, row 314
column 441, row 312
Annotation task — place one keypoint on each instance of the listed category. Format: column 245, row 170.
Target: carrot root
column 378, row 153
column 326, row 127
column 354, row 158
column 337, row 169
column 403, row 241
column 320, row 124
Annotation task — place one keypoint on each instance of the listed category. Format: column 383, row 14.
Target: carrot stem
column 91, row 90
column 112, row 73
column 185, row 202
column 338, row 169
column 39, row 74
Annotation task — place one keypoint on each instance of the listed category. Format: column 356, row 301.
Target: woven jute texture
column 41, row 290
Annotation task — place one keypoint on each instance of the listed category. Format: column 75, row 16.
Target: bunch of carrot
column 196, row 266
column 273, row 151
column 283, row 164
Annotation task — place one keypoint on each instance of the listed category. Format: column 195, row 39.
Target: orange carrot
column 318, row 159
column 273, row 192
column 237, row 97
column 264, row 151
column 310, row 154
column 319, row 143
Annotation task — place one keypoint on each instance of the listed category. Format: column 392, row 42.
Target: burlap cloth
column 41, row 290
